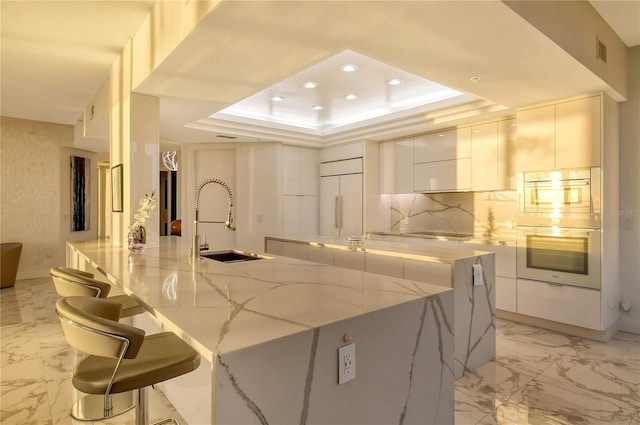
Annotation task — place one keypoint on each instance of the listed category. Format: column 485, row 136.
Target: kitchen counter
column 268, row 331
column 385, row 247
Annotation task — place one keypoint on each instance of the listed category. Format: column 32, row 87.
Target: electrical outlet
column 346, row 363
column 406, row 220
column 477, row 275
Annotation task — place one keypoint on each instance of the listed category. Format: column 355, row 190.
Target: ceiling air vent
column 224, row 136
column 601, row 50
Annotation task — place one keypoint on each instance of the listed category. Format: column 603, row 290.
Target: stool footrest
column 92, row 407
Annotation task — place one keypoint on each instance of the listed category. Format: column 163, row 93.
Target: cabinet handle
column 335, row 212
column 340, row 211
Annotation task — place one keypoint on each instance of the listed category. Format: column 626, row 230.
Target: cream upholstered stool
column 73, row 282
column 121, row 358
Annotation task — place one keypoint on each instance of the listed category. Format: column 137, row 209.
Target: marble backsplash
column 480, row 214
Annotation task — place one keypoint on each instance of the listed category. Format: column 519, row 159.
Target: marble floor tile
column 538, row 377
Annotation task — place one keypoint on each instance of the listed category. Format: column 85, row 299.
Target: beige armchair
column 9, row 260
column 120, row 357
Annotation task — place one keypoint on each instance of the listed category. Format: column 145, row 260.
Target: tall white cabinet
column 300, row 200
column 341, row 191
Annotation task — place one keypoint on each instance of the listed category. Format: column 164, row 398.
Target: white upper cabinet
column 442, row 145
column 442, row 161
column 396, row 166
column 536, row 139
column 507, row 148
column 301, row 171
column 301, row 185
column 442, row 176
column 562, row 135
column 493, row 156
column 578, row 133
column 337, row 153
column 484, row 159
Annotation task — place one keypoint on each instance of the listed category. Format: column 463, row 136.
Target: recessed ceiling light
column 349, row 68
column 351, row 96
column 317, row 107
column 396, row 81
column 277, row 98
column 475, row 79
column 311, row 84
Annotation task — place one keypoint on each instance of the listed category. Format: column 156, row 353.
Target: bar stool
column 73, row 282
column 120, row 357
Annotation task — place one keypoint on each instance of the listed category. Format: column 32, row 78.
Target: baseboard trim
column 601, row 336
column 33, row 274
column 629, row 325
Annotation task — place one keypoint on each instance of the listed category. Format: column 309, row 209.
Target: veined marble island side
column 474, row 304
column 269, row 332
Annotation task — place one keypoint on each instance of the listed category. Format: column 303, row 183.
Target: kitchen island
column 474, row 296
column 269, row 331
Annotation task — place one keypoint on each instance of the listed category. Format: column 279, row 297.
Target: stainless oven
column 569, row 197
column 569, row 256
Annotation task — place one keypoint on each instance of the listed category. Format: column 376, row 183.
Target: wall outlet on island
column 346, row 363
column 477, row 275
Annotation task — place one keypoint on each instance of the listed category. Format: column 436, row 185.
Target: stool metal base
column 92, row 407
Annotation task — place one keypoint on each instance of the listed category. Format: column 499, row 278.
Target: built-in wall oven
column 569, row 256
column 559, row 227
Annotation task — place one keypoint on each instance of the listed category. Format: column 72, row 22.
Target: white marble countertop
column 396, row 249
column 221, row 307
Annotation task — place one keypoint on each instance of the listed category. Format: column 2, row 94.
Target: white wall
column 255, row 179
column 630, row 195
column 36, row 192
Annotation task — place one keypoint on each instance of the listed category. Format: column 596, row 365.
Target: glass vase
column 136, row 239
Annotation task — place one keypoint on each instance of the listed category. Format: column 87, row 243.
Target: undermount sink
column 232, row 256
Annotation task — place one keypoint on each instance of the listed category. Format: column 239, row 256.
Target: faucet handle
column 204, row 246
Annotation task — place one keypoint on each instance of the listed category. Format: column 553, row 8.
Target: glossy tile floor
column 37, row 362
column 538, row 377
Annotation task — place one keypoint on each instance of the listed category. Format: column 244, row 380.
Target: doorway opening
column 168, row 201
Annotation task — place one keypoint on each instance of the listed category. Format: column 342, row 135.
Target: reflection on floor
column 538, row 377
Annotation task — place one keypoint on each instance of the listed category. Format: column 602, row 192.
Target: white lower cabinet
column 506, row 288
column 296, row 250
column 349, row 259
column 429, row 272
column 274, row 247
column 384, row 265
column 506, row 294
column 287, row 249
column 321, row 255
column 560, row 303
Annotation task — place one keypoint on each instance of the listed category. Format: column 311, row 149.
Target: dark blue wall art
column 80, row 170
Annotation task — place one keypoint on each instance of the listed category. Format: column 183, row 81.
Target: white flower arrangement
column 147, row 204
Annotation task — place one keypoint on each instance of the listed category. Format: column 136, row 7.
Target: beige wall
column 630, row 195
column 36, row 190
